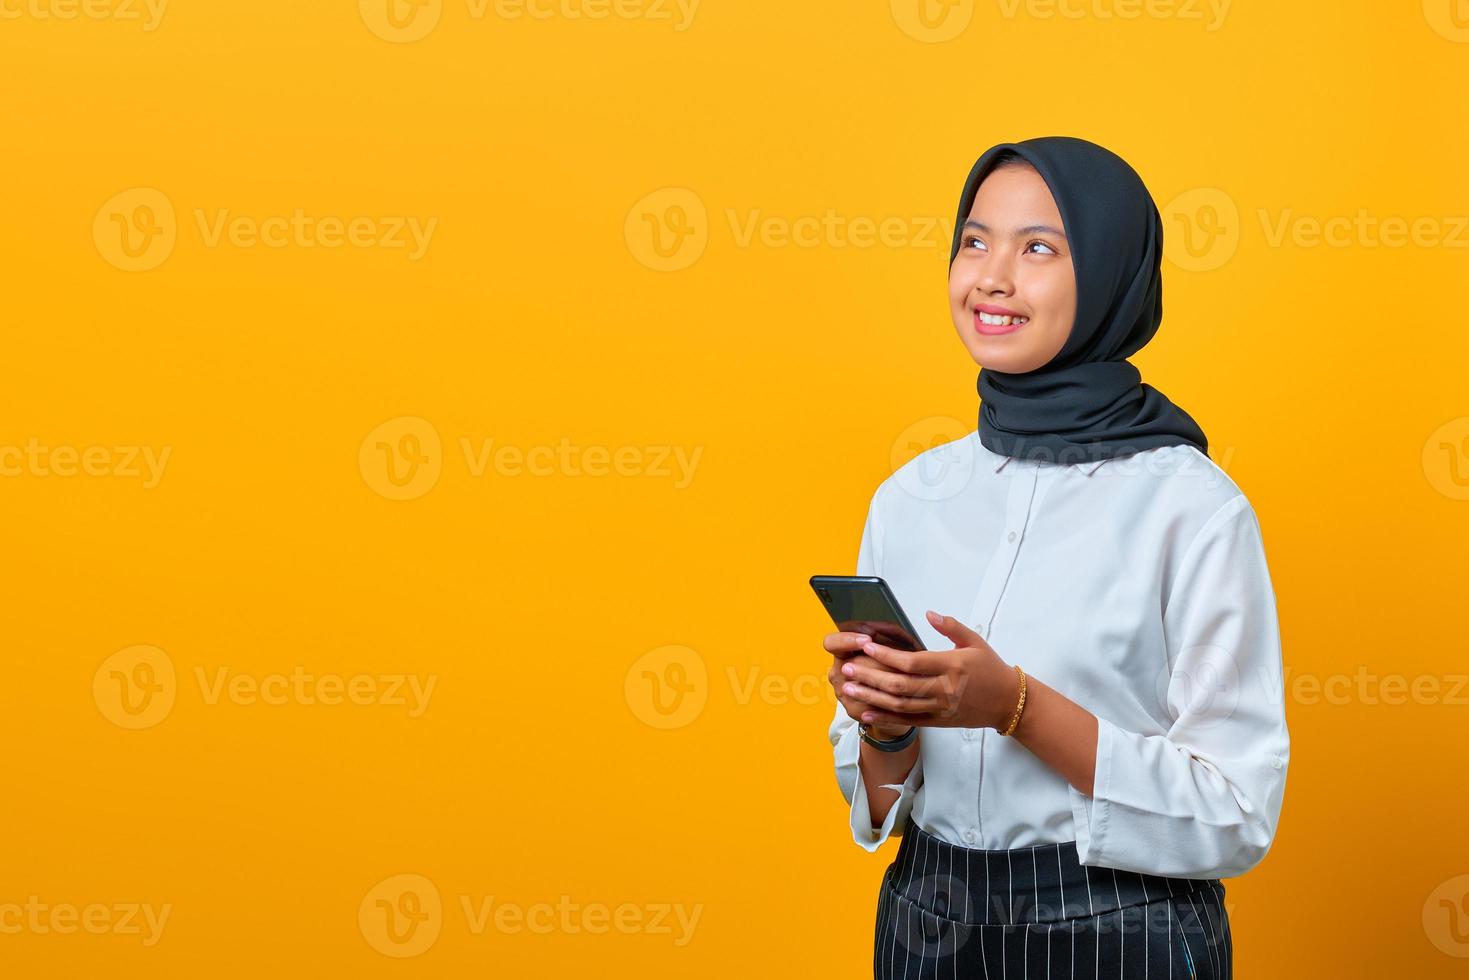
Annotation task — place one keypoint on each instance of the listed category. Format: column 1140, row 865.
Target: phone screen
column 865, row 604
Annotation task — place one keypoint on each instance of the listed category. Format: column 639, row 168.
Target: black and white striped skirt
column 947, row 911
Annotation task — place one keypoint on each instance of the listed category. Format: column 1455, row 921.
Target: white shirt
column 1138, row 588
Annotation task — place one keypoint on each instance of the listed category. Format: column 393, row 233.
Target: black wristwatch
column 888, row 745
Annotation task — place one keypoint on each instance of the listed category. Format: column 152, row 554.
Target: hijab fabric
column 1088, row 403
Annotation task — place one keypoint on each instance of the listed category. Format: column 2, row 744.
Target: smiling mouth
column 988, row 323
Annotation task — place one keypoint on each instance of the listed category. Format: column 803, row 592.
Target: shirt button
column 1011, row 536
column 1275, row 762
column 969, row 836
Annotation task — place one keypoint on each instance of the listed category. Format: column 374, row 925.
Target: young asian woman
column 1095, row 733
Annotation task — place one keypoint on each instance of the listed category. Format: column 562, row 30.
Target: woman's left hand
column 966, row 687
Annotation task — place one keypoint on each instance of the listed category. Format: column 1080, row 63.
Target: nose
column 997, row 278
column 997, row 274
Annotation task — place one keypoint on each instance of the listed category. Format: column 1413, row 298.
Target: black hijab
column 1088, row 403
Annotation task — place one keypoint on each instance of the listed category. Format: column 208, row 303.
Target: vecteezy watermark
column 1364, row 230
column 38, row 918
column 1366, row 687
column 137, row 229
column 148, row 14
column 1209, row 13
column 668, row 687
column 1202, row 229
column 1448, row 18
column 935, row 458
column 405, row 21
column 1446, row 917
column 1446, row 458
column 404, row 915
column 950, row 926
column 33, row 459
column 936, row 21
column 137, row 687
column 669, row 229
column 402, row 459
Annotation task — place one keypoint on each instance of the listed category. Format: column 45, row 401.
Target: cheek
column 958, row 289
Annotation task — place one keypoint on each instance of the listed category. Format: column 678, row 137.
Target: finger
column 908, row 661
column 888, row 702
column 961, row 634
column 895, row 636
column 844, row 642
column 893, row 681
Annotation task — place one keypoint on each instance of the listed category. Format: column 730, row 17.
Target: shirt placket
column 1019, row 501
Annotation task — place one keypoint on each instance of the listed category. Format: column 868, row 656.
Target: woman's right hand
column 845, row 647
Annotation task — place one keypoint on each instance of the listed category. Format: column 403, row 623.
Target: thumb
column 962, row 635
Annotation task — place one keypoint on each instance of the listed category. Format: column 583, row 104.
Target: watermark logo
column 1203, row 684
column 933, row 459
column 142, row 919
column 667, row 687
column 1201, row 229
column 1448, row 18
column 1446, row 459
column 35, row 459
column 401, row 21
column 1446, row 917
column 146, row 13
column 401, row 916
column 401, row 459
column 1210, row 13
column 135, row 687
column 668, row 229
column 932, row 21
column 1366, row 688
column 136, row 229
column 933, row 931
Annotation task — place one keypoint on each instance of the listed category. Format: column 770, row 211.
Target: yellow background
column 542, row 314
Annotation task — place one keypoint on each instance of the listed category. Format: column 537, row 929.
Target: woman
column 1106, row 738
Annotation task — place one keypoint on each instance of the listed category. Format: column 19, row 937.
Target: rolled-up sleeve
column 1204, row 799
column 846, row 740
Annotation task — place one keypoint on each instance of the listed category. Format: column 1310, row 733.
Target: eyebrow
column 1027, row 230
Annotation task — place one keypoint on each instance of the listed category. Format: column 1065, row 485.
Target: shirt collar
column 1088, row 468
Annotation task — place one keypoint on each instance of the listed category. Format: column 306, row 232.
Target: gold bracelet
column 1020, row 706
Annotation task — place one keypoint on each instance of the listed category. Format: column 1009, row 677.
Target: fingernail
column 849, row 688
column 849, row 670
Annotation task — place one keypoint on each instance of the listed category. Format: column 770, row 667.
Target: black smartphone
column 865, row 604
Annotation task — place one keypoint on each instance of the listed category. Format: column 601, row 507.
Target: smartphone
column 865, row 604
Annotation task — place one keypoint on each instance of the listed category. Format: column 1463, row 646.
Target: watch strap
column 888, row 745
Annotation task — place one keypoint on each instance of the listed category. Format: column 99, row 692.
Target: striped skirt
column 947, row 911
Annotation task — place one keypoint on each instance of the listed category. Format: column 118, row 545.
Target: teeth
column 1001, row 321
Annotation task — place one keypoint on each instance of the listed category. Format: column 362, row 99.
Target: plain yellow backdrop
column 565, row 460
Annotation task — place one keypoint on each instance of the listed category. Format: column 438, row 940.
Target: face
column 1014, row 262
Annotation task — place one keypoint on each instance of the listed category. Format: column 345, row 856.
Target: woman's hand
column 846, row 648
column 966, row 687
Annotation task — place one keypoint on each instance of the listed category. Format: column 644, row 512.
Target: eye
column 970, row 239
column 1043, row 245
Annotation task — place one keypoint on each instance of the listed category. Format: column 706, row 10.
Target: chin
column 1005, row 362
